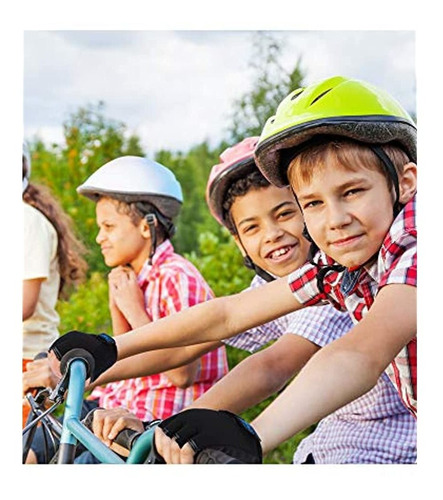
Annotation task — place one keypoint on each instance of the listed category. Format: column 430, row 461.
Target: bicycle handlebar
column 127, row 438
column 82, row 354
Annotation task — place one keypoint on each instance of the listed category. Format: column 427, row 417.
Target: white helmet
column 133, row 178
column 26, row 167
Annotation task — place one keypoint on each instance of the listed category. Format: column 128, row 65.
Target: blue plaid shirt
column 375, row 428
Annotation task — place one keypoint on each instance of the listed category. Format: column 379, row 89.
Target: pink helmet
column 235, row 163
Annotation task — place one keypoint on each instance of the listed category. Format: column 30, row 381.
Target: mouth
column 344, row 242
column 281, row 253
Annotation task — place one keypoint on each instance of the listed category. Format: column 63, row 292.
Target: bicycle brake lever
column 58, row 393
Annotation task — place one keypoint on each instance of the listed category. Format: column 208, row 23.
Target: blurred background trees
column 91, row 138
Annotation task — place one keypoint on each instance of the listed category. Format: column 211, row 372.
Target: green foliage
column 192, row 171
column 87, row 308
column 221, row 263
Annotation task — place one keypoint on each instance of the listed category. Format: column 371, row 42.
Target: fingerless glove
column 101, row 347
column 217, row 430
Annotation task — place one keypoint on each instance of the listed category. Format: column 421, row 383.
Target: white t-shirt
column 40, row 261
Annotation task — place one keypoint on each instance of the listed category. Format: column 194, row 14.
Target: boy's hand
column 108, row 423
column 197, row 429
column 125, row 293
column 101, row 347
column 38, row 374
column 170, row 451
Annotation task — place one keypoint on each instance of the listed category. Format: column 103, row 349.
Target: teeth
column 279, row 252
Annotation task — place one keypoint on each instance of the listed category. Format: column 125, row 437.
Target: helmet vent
column 320, row 96
column 296, row 94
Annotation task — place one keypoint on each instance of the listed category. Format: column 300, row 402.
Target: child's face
column 347, row 213
column 120, row 240
column 269, row 225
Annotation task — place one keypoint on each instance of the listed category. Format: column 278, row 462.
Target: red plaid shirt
column 355, row 291
column 169, row 285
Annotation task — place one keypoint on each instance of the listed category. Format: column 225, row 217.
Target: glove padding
column 101, row 347
column 217, row 430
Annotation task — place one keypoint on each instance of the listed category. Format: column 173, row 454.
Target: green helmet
column 337, row 106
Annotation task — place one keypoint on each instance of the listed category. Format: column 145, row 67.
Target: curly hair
column 70, row 250
column 253, row 180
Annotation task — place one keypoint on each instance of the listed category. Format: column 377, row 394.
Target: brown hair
column 136, row 215
column 70, row 250
column 351, row 155
column 252, row 181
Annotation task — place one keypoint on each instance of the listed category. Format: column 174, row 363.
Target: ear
column 408, row 182
column 144, row 228
column 239, row 245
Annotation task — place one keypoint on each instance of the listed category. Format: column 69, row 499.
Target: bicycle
column 76, row 367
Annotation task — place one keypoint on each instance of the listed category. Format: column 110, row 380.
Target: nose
column 338, row 215
column 273, row 231
column 99, row 238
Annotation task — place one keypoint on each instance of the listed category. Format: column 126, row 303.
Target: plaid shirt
column 355, row 291
column 170, row 284
column 255, row 338
column 375, row 428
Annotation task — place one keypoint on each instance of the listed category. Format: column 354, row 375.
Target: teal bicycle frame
column 75, row 431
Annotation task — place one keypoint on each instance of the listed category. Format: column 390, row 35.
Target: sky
column 176, row 88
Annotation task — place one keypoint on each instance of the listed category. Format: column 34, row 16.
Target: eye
column 250, row 228
column 351, row 192
column 311, row 204
column 286, row 213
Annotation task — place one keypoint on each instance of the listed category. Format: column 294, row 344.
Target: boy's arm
column 258, row 376
column 345, row 369
column 152, row 362
column 216, row 319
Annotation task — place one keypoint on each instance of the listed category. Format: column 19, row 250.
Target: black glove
column 101, row 347
column 217, row 430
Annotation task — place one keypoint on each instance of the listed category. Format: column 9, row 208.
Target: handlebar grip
column 210, row 456
column 78, row 354
column 127, row 437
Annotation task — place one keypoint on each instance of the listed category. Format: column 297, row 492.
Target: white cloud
column 176, row 88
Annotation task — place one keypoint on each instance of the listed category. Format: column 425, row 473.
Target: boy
column 266, row 224
column 136, row 203
column 370, row 272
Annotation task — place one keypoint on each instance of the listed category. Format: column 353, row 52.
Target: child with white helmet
column 349, row 150
column 137, row 201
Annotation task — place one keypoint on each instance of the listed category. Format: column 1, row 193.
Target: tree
column 271, row 83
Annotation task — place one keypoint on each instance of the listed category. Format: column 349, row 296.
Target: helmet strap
column 258, row 270
column 248, row 262
column 390, row 169
column 150, row 219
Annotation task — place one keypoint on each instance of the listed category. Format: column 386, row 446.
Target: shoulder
column 177, row 270
column 398, row 256
column 403, row 231
column 35, row 223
